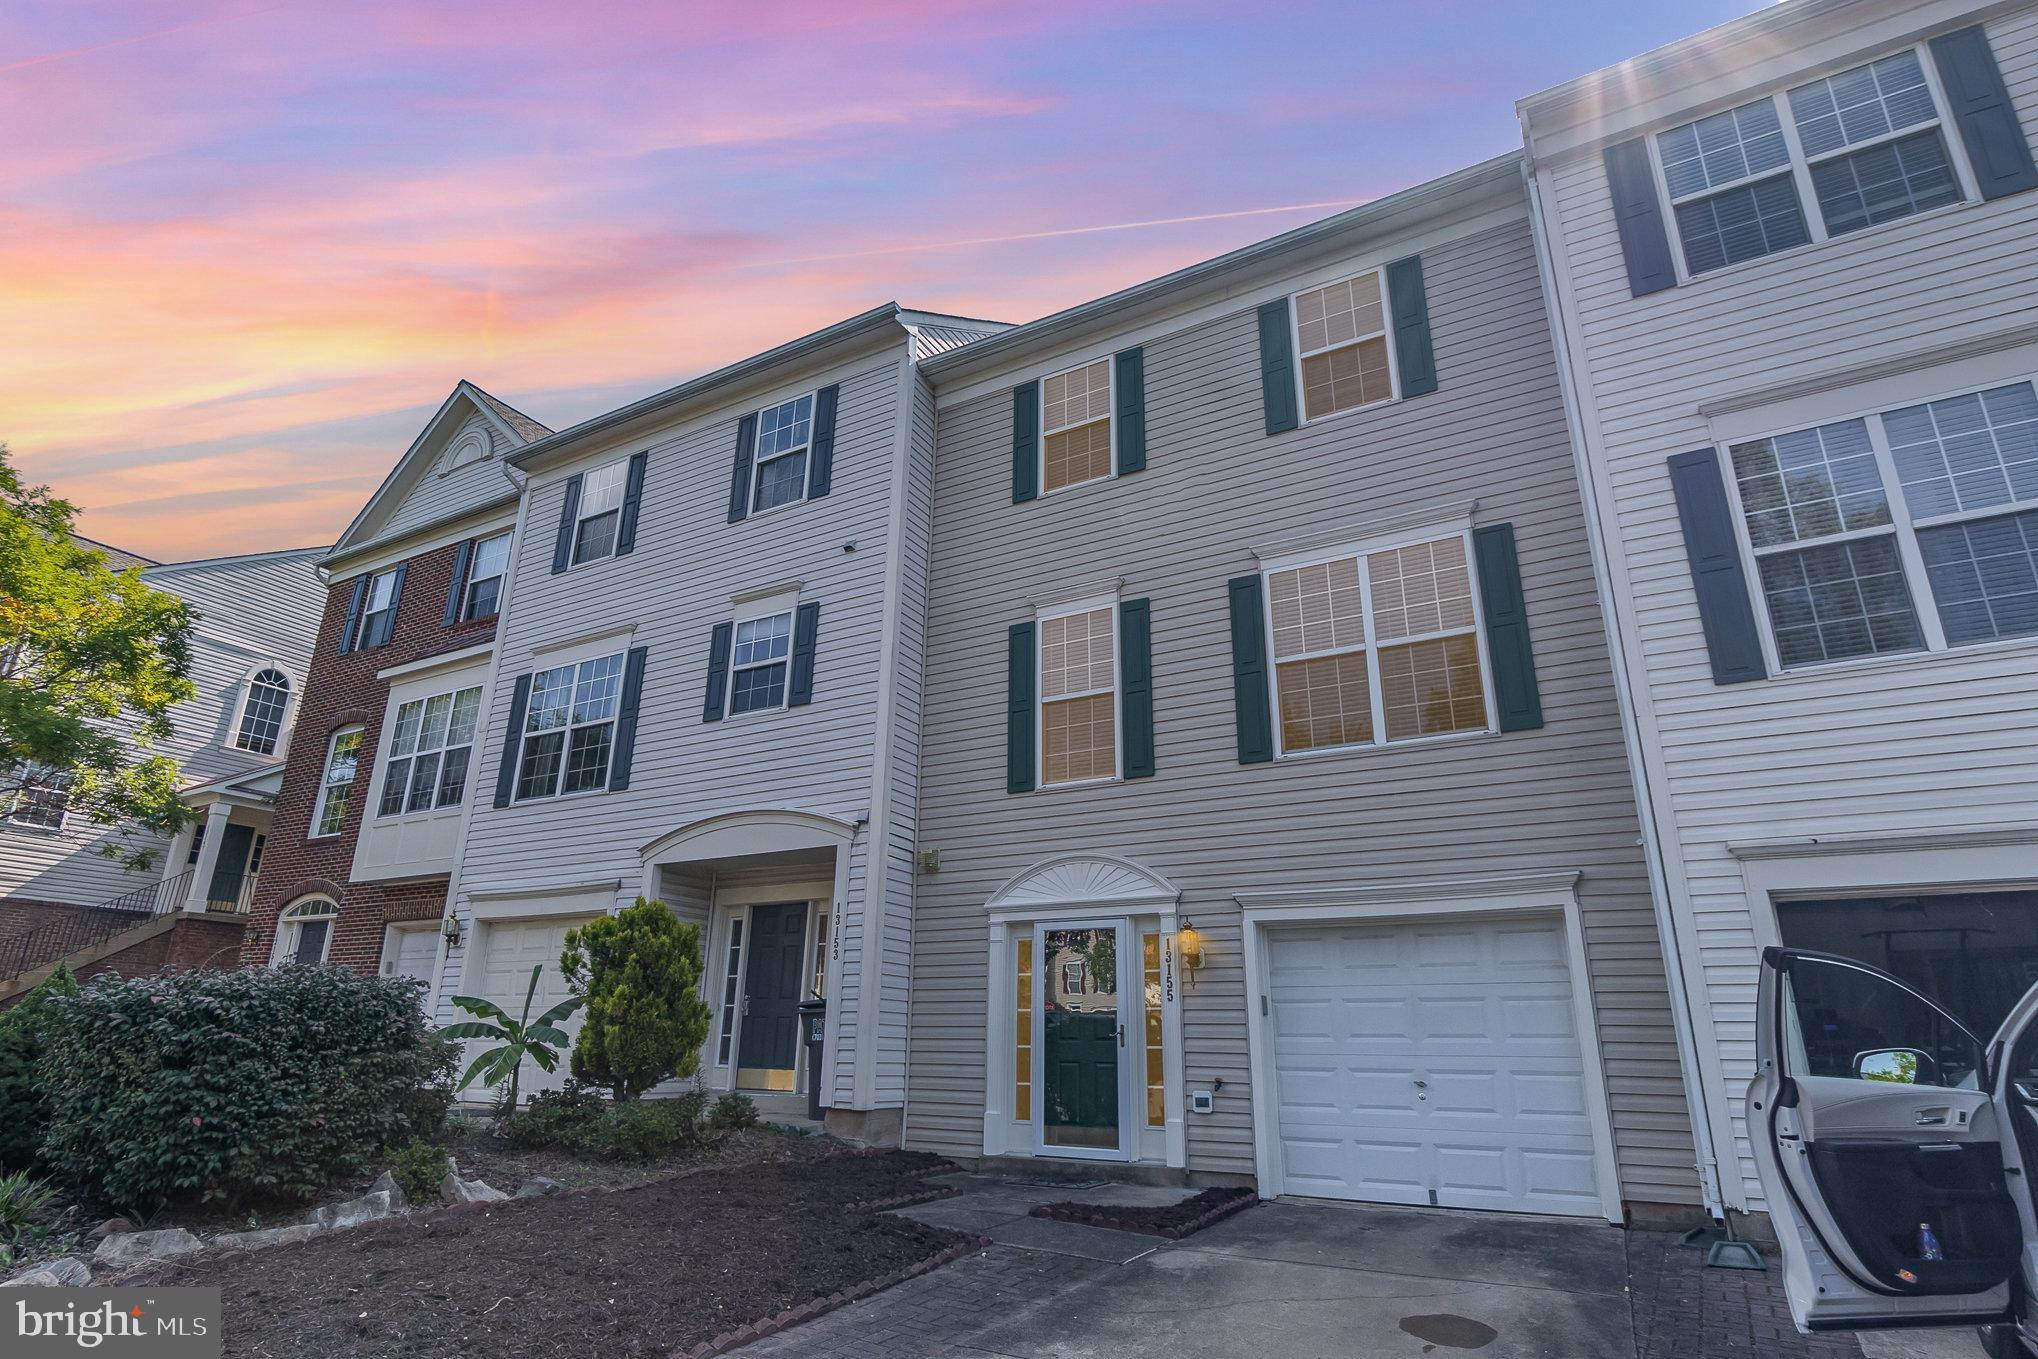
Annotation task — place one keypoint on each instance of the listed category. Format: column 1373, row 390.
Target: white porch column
column 216, row 817
column 174, row 861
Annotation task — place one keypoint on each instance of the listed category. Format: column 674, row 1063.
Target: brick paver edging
column 928, row 1195
column 807, row 1311
column 1102, row 1215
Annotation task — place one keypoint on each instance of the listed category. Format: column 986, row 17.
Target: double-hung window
column 1849, row 525
column 785, row 434
column 431, row 748
column 1823, row 159
column 1341, row 339
column 336, row 788
column 261, row 724
column 601, row 511
column 760, row 662
column 570, row 728
column 1079, row 694
column 485, row 569
column 378, row 611
column 1075, row 426
column 1378, row 645
column 34, row 797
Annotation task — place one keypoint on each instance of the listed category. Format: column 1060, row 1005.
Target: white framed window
column 601, row 511
column 1343, row 345
column 1377, row 643
column 431, row 748
column 262, row 708
column 570, row 728
column 377, row 623
column 760, row 662
column 1078, row 693
column 489, row 562
column 1827, row 158
column 41, row 801
column 336, row 787
column 1903, row 530
column 304, row 932
column 1077, row 429
column 732, row 992
column 785, row 436
column 818, row 982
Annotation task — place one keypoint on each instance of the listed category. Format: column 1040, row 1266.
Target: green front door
column 1082, row 1036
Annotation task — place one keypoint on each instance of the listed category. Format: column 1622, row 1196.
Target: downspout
column 1681, row 1019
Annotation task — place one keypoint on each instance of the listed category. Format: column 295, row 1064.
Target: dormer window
column 261, row 724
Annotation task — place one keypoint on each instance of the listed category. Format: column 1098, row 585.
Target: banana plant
column 539, row 1039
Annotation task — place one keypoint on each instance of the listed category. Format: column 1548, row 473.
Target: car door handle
column 1933, row 1118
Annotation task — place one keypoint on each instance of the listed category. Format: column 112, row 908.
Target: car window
column 1853, row 1023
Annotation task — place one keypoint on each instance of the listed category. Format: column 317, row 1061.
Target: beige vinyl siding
column 1215, row 487
column 250, row 612
column 1918, row 743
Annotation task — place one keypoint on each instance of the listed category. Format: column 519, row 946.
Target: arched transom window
column 306, row 931
column 261, row 724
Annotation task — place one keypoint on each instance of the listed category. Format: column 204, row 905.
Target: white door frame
column 390, row 930
column 1488, row 895
column 729, row 905
column 1128, row 1133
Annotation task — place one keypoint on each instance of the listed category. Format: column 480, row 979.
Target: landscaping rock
column 385, row 1183
column 133, row 1248
column 113, row 1226
column 539, row 1184
column 456, row 1190
column 64, row 1273
column 368, row 1208
column 268, row 1236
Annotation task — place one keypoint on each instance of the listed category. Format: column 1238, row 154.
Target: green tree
column 92, row 660
column 24, row 1102
column 640, row 973
column 538, row 1039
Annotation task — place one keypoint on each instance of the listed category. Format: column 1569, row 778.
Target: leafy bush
column 501, row 1067
column 579, row 1120
column 24, row 1104
column 419, row 1167
column 732, row 1113
column 236, row 1085
column 640, row 973
column 21, row 1199
column 557, row 1118
column 459, row 1124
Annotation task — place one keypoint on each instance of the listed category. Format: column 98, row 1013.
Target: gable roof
column 119, row 558
column 465, row 399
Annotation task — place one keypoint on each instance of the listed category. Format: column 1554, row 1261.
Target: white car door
column 1880, row 1145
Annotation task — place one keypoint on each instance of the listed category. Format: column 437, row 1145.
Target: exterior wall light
column 449, row 927
column 1190, row 941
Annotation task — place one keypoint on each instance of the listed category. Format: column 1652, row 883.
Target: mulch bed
column 1174, row 1220
column 684, row 1265
column 484, row 1156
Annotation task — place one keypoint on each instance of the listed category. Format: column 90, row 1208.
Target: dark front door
column 772, row 987
column 1080, row 1029
column 232, row 867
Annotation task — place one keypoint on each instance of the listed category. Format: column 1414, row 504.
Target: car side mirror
column 1897, row 1066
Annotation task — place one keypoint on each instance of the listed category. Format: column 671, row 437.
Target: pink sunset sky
column 247, row 248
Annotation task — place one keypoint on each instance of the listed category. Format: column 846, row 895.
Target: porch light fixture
column 449, row 927
column 1190, row 942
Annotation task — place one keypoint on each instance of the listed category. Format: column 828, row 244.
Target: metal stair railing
column 72, row 929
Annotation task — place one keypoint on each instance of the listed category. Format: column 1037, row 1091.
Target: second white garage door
column 1431, row 1063
column 510, row 949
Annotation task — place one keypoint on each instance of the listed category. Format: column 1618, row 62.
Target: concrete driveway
column 1281, row 1279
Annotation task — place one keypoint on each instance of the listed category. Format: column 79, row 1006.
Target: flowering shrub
column 235, row 1085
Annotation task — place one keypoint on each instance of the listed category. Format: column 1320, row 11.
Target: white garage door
column 510, row 949
column 1431, row 1063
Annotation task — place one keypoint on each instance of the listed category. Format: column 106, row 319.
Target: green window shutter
column 1277, row 367
column 1135, row 674
column 1249, row 671
column 1414, row 359
column 1019, row 671
column 1025, row 442
column 1131, row 382
column 1516, row 698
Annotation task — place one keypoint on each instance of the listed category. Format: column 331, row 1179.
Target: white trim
column 1426, row 521
column 760, row 610
column 286, row 720
column 429, row 1001
column 460, row 614
column 581, row 514
column 567, row 729
column 813, row 398
column 581, row 647
column 1302, row 416
column 1086, row 881
column 289, row 927
column 1462, row 898
column 763, row 594
column 1040, row 699
column 445, row 660
column 325, row 769
column 1110, row 362
column 487, row 901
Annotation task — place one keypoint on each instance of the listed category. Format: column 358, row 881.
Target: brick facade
column 342, row 690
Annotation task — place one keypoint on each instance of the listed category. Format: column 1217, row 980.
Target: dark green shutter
column 1019, row 678
column 1638, row 216
column 800, row 679
column 569, row 519
column 1025, row 442
column 454, row 590
column 1981, row 107
column 1516, row 698
column 353, row 614
column 1249, row 687
column 506, row 771
column 1414, row 359
column 633, row 498
column 1277, row 367
column 1135, row 675
column 739, row 476
column 716, row 699
column 626, row 720
column 1131, row 411
column 1714, row 551
column 821, row 456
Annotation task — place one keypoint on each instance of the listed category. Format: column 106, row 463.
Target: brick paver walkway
column 1685, row 1311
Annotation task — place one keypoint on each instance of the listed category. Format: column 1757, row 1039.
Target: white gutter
column 1695, row 1095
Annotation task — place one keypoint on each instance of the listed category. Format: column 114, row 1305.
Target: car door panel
column 1887, row 1192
